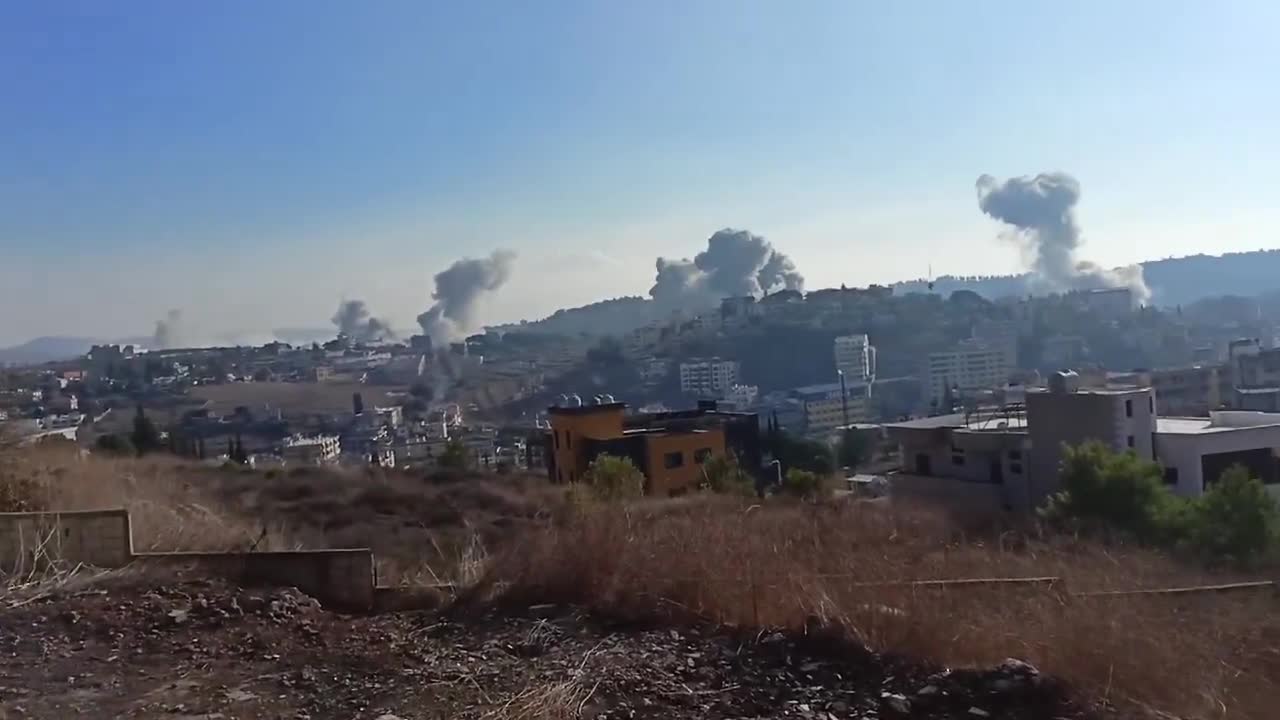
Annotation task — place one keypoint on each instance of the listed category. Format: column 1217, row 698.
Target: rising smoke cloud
column 354, row 320
column 459, row 289
column 735, row 263
column 1042, row 211
column 168, row 333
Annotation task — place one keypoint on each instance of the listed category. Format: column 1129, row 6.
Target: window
column 556, row 434
column 1171, row 476
column 1015, row 454
column 957, row 459
column 571, row 478
column 1128, row 412
column 1015, row 468
column 1130, row 441
column 701, row 455
column 673, row 460
column 1151, row 403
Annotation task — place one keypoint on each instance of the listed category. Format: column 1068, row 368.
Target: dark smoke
column 168, row 333
column 735, row 263
column 458, row 292
column 355, row 322
column 1042, row 209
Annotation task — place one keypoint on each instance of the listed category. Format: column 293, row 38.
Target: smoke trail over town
column 169, row 332
column 735, row 263
column 459, row 290
column 1042, row 210
column 354, row 320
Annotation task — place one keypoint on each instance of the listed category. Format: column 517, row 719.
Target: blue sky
column 254, row 162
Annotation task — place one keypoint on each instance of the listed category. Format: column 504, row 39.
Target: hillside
column 1173, row 281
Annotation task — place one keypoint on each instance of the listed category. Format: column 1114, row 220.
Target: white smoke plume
column 735, row 263
column 356, row 322
column 459, row 289
column 168, row 333
column 1042, row 211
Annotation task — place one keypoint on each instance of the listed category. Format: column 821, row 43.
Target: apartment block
column 856, row 358
column 708, row 377
column 969, row 368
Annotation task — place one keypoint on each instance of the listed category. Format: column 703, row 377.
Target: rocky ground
column 205, row 649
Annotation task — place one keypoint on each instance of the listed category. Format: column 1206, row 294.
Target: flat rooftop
column 1205, row 426
column 985, row 421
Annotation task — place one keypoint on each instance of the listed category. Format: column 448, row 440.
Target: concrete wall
column 101, row 538
column 1184, row 451
column 958, row 495
column 339, row 579
column 1072, row 418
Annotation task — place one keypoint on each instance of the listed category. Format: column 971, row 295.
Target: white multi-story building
column 708, row 376
column 311, row 449
column 969, row 367
column 856, row 358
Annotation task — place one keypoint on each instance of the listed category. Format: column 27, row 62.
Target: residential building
column 1256, row 367
column 1106, row 302
column 978, row 460
column 708, row 377
column 1121, row 419
column 827, row 408
column 969, row 368
column 1196, row 451
column 668, row 448
column 311, row 449
column 738, row 311
column 742, row 397
column 1194, row 390
column 1002, row 334
column 1063, row 351
column 856, row 358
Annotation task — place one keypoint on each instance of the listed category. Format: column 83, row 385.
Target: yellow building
column 669, row 448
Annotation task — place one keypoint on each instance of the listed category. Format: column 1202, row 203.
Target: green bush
column 805, row 485
column 1237, row 519
column 1101, row 488
column 724, row 475
column 614, row 478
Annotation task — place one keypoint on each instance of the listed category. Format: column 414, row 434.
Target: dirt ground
column 186, row 649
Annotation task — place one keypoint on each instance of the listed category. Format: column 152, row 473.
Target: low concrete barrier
column 102, row 538
column 339, row 579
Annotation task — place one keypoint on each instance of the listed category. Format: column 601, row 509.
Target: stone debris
column 208, row 649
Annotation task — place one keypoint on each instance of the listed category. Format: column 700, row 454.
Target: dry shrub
column 167, row 507
column 780, row 564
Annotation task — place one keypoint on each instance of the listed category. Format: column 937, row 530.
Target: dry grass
column 780, row 565
column 167, row 508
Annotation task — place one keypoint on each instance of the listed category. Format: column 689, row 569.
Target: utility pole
column 844, row 399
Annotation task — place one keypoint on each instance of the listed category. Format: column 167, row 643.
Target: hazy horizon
column 254, row 170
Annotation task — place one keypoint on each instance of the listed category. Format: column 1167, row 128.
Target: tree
column 805, row 485
column 145, row 437
column 802, row 453
column 113, row 444
column 1115, row 490
column 1237, row 518
column 454, row 456
column 854, row 448
column 723, row 474
column 614, row 478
